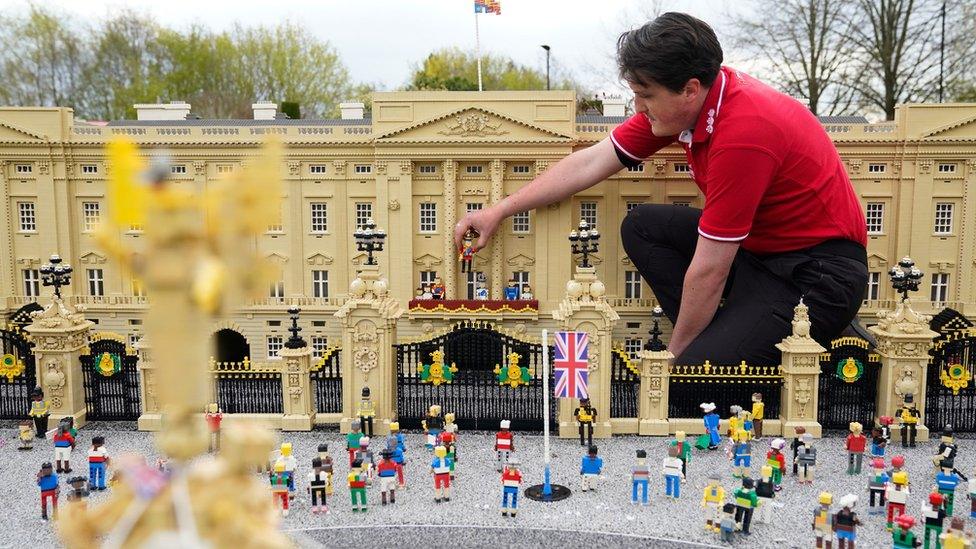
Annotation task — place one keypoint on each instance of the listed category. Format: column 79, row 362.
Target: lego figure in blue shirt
column 711, row 420
column 590, row 469
column 47, row 481
column 741, row 454
column 511, row 291
column 947, row 480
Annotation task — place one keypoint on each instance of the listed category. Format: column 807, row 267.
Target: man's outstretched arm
column 702, row 290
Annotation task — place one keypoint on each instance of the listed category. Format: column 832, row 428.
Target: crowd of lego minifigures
column 888, row 488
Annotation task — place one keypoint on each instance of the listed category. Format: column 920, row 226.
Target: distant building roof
column 843, row 119
column 599, row 119
column 245, row 122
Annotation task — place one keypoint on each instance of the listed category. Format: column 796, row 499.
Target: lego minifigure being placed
column 807, row 457
column 712, row 499
column 590, row 468
column 741, row 454
column 25, row 434
column 897, row 495
column 467, row 249
column 279, row 486
column 356, row 481
column 511, row 481
column 855, row 444
column 956, row 536
column 437, row 289
column 639, row 477
column 433, row 424
column 366, row 459
column 671, row 469
column 766, row 492
column 440, row 467
column 777, row 461
column 318, row 485
column 352, row 439
column 877, row 484
column 79, row 489
column 511, row 290
column 796, row 444
column 504, row 444
column 285, row 457
column 945, row 456
column 585, row 416
column 64, row 443
column 934, row 514
column 902, row 537
column 388, row 471
column 47, row 481
column 946, row 482
column 746, row 502
column 711, row 420
column 684, row 452
column 758, row 412
column 39, row 412
column 326, row 466
column 823, row 522
column 214, row 417
column 846, row 522
column 727, row 524
column 908, row 415
column 366, row 412
column 97, row 463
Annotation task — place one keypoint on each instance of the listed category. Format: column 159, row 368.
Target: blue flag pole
column 546, row 486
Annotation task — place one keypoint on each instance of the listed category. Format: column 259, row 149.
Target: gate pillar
column 60, row 334
column 296, row 386
column 904, row 341
column 800, row 367
column 585, row 309
column 151, row 418
column 368, row 321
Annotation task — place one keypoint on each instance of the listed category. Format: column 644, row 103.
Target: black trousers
column 587, row 429
column 761, row 290
column 743, row 515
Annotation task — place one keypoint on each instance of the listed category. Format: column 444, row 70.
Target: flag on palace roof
column 571, row 365
column 488, row 6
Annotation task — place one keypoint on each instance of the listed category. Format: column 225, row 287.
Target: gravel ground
column 604, row 518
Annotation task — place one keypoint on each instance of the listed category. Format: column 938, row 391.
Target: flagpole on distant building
column 546, row 485
column 477, row 45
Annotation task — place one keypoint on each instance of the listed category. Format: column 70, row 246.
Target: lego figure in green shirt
column 746, row 502
column 902, row 536
column 352, row 439
column 684, row 452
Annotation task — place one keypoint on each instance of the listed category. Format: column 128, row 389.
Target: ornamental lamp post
column 295, row 341
column 655, row 343
column 369, row 239
column 55, row 274
column 905, row 277
column 584, row 242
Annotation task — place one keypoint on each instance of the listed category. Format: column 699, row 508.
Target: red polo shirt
column 771, row 176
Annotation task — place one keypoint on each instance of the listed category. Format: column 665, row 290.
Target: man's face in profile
column 670, row 113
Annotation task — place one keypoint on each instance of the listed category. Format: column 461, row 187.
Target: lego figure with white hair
column 846, row 522
column 806, row 455
column 711, row 421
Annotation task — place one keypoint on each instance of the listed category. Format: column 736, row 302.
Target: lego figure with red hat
column 880, row 436
column 877, row 484
column 511, row 481
column 934, row 514
column 902, row 537
column 504, row 444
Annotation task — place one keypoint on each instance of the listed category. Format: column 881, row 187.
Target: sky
column 381, row 40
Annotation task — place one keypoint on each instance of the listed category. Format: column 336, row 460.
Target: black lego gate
column 849, row 374
column 475, row 396
column 950, row 397
column 624, row 385
column 19, row 375
column 111, row 380
column 326, row 377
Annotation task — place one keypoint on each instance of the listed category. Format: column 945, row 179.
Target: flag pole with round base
column 546, row 491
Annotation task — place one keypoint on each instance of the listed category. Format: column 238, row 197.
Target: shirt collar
column 711, row 108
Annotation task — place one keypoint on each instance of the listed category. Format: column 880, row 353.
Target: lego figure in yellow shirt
column 734, row 422
column 366, row 412
column 712, row 500
column 585, row 415
column 758, row 408
column 39, row 412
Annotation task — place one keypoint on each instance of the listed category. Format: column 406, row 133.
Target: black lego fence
column 950, row 397
column 18, row 376
column 690, row 386
column 849, row 373
column 326, row 376
column 249, row 392
column 111, row 379
column 624, row 385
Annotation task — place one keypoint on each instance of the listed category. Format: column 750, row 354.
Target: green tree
column 457, row 70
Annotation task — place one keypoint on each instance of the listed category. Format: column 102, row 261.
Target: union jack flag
column 571, row 364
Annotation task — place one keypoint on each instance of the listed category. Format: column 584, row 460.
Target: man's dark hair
column 670, row 50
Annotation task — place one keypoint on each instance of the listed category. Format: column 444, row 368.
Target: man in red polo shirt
column 780, row 221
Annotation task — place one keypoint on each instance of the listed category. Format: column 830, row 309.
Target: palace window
column 637, row 168
column 28, row 217
column 275, row 345
column 320, row 212
column 96, row 282
column 363, row 169
column 876, row 168
column 682, row 167
column 474, row 169
column 520, row 223
column 521, row 279
column 32, row 283
column 588, row 214
column 428, row 217
column 633, row 346
column 319, row 345
column 521, row 169
column 364, row 212
column 875, row 217
column 91, row 215
column 277, row 289
column 89, row 169
column 874, row 285
column 320, row 283
column 632, row 285
column 427, row 168
column 943, row 217
column 947, row 168
column 317, row 168
column 940, row 287
column 24, row 169
column 177, row 169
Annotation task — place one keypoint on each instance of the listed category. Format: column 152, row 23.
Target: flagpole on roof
column 477, row 45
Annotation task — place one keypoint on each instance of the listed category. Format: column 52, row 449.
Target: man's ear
column 692, row 88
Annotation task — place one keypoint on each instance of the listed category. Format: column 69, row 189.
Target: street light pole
column 546, row 47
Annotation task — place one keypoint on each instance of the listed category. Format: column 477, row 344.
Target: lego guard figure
column 908, row 415
column 585, row 415
column 467, row 250
column 367, row 410
column 39, row 412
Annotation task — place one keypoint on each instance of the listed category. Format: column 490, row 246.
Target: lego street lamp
column 369, row 239
column 905, row 277
column 655, row 343
column 55, row 274
column 584, row 242
column 295, row 341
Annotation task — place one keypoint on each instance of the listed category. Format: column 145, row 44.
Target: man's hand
column 702, row 290
column 485, row 222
